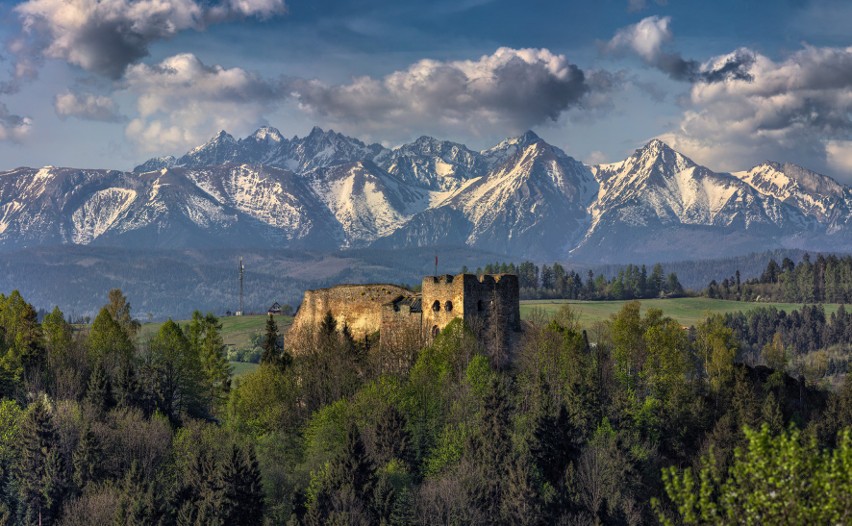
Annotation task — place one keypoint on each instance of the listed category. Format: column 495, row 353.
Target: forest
column 554, row 281
column 828, row 279
column 635, row 421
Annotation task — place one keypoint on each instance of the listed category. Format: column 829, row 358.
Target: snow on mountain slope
column 433, row 164
column 659, row 194
column 100, row 212
column 368, row 202
column 814, row 194
column 534, row 197
column 522, row 197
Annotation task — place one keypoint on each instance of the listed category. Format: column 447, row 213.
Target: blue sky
column 730, row 83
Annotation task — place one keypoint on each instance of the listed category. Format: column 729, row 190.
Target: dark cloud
column 106, row 36
column 510, row 90
column 798, row 109
column 647, row 39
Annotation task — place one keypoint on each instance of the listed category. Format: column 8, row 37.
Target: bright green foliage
column 264, row 402
column 21, row 348
column 628, row 343
column 119, row 309
column 172, row 374
column 717, row 348
column 57, row 333
column 109, row 343
column 774, row 480
column 205, row 340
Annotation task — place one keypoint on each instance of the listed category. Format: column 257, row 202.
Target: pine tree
column 392, row 438
column 490, row 451
column 521, row 502
column 270, row 342
column 40, row 473
column 242, row 494
column 138, row 503
column 348, row 490
column 87, row 460
column 98, row 390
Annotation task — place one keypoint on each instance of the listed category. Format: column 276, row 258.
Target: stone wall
column 402, row 316
column 359, row 306
column 469, row 297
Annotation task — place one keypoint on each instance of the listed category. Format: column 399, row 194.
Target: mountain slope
column 522, row 197
column 659, row 201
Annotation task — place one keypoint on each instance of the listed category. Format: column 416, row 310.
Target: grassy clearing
column 241, row 368
column 687, row 311
column 237, row 331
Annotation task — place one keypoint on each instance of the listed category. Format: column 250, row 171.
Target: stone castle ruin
column 399, row 314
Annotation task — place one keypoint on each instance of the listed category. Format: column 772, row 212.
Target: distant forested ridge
column 627, row 423
column 555, row 281
column 826, row 279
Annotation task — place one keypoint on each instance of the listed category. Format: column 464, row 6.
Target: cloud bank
column 798, row 109
column 86, row 106
column 105, row 36
column 511, row 90
column 648, row 38
column 182, row 102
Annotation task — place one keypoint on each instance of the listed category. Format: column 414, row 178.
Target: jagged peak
column 267, row 133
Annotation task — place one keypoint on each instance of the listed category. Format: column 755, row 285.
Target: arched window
column 435, row 330
column 448, row 306
column 436, row 306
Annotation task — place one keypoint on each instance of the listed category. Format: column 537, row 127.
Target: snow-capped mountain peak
column 522, row 197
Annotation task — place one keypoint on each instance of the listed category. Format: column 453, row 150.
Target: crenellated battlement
column 395, row 311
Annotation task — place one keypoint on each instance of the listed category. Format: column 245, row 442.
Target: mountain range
column 523, row 198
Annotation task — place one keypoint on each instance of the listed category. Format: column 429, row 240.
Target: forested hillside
column 827, row 279
column 617, row 425
column 555, row 281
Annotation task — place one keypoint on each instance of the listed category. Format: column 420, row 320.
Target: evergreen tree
column 87, row 460
column 521, row 502
column 205, row 341
column 392, row 438
column 99, row 390
column 270, row 342
column 119, row 309
column 40, row 474
column 242, row 494
column 490, row 451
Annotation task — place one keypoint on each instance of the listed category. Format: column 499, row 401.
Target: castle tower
column 471, row 298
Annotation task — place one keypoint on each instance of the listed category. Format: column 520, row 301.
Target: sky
column 730, row 83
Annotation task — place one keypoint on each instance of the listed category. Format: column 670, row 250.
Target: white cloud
column 648, row 39
column 840, row 155
column 798, row 109
column 13, row 127
column 105, row 36
column 510, row 90
column 86, row 106
column 182, row 102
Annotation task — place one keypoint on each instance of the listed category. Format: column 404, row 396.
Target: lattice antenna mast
column 242, row 273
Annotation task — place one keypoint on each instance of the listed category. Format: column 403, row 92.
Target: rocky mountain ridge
column 522, row 197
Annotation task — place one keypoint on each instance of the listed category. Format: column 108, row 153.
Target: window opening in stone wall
column 448, row 306
column 436, row 306
column 479, row 306
column 435, row 330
